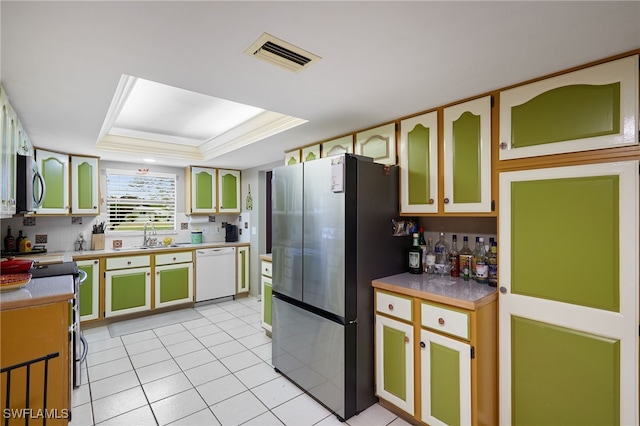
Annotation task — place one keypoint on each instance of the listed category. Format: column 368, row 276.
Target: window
column 134, row 198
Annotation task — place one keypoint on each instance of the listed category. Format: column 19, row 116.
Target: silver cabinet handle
column 503, row 290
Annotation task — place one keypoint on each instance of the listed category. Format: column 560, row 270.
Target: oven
column 79, row 344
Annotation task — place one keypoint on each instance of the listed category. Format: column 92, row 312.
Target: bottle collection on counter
column 479, row 264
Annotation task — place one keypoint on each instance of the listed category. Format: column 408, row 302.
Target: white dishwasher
column 215, row 273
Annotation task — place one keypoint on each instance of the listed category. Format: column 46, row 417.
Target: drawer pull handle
column 129, row 262
column 446, row 201
column 390, row 307
column 406, row 339
column 174, row 259
column 441, row 321
column 431, row 201
column 422, row 345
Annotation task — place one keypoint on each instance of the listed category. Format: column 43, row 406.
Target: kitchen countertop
column 266, row 256
column 455, row 292
column 39, row 291
column 68, row 256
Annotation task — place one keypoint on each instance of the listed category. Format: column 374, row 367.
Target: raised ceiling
column 61, row 62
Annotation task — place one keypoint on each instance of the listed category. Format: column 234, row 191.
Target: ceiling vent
column 278, row 52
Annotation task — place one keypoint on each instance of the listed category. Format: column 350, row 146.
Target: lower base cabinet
column 90, row 290
column 265, row 300
column 173, row 283
column 436, row 362
column 127, row 285
column 31, row 333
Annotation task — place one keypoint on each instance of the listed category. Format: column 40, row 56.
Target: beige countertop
column 68, row 256
column 39, row 291
column 266, row 256
column 451, row 291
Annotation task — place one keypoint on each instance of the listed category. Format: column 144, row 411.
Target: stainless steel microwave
column 30, row 186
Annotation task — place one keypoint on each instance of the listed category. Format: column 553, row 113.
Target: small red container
column 15, row 266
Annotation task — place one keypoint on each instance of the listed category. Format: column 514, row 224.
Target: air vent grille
column 278, row 52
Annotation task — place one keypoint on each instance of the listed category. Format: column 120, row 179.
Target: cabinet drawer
column 169, row 258
column 395, row 306
column 266, row 269
column 445, row 320
column 128, row 262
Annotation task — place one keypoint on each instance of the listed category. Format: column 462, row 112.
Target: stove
column 80, row 346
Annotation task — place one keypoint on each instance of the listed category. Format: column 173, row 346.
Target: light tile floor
column 215, row 370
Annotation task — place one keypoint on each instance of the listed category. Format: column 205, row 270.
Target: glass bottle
column 430, row 258
column 492, row 261
column 415, row 256
column 473, row 258
column 423, row 245
column 454, row 258
column 9, row 241
column 19, row 238
column 465, row 256
column 482, row 268
column 441, row 251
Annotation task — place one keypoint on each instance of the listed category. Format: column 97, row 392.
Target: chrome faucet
column 147, row 238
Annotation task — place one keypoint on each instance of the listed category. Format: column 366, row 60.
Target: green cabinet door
column 266, row 295
column 445, row 381
column 228, row 191
column 85, row 175
column 419, row 164
column 568, row 295
column 242, row 273
column 127, row 291
column 89, row 290
column 467, row 156
column 394, row 362
column 201, row 192
column 173, row 284
column 54, row 168
column 589, row 109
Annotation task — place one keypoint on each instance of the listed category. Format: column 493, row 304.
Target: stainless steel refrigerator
column 332, row 235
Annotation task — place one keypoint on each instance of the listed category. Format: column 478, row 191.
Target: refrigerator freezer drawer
column 310, row 351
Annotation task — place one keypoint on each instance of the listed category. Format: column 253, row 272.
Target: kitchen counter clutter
column 436, row 349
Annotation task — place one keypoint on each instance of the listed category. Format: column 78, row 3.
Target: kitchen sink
column 136, row 248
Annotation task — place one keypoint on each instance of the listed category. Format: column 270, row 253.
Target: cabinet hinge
column 492, row 102
column 493, row 205
column 473, row 352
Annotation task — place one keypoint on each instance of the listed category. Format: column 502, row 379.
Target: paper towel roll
column 198, row 219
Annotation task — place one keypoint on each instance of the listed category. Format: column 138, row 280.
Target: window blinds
column 134, row 198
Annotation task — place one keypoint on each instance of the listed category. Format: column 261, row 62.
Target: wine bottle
column 9, row 241
column 454, row 258
column 465, row 259
column 415, row 256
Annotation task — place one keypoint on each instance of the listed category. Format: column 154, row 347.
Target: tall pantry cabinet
column 569, row 248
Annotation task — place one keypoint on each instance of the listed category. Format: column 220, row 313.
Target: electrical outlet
column 217, row 229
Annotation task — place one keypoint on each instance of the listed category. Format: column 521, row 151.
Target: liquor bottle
column 482, row 268
column 9, row 241
column 430, row 259
column 473, row 258
column 423, row 245
column 492, row 261
column 19, row 238
column 465, row 256
column 441, row 251
column 415, row 256
column 454, row 258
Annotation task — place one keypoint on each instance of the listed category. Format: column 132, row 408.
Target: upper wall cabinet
column 228, row 191
column 85, row 175
column 419, row 164
column 467, row 156
column 589, row 109
column 292, row 157
column 200, row 193
column 311, row 153
column 54, row 168
column 337, row 146
column 378, row 143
